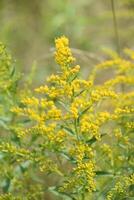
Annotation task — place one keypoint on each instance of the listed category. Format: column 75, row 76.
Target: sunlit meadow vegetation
column 28, row 28
column 69, row 138
column 67, row 121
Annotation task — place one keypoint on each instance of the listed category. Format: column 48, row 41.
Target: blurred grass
column 28, row 28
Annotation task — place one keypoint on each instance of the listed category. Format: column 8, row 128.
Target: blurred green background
column 28, row 28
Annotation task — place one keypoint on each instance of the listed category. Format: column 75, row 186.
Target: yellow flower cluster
column 120, row 79
column 125, row 110
column 86, row 170
column 12, row 149
column 121, row 188
column 30, row 101
column 5, row 68
column 79, row 129
column 100, row 93
column 120, row 64
column 63, row 54
column 81, row 151
column 91, row 124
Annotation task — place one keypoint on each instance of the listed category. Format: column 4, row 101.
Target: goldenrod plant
column 72, row 138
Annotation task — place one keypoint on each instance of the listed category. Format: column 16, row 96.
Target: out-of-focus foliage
column 8, row 86
column 72, row 137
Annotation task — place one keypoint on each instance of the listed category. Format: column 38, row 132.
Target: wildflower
column 75, row 127
column 63, row 55
column 42, row 89
column 30, row 101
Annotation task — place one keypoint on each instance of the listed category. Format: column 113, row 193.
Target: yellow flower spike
column 6, row 67
column 63, row 54
column 121, row 187
column 54, row 113
column 103, row 116
column 30, row 101
column 54, row 78
column 21, row 133
column 120, row 79
column 32, row 114
column 44, row 103
column 87, row 169
column 42, row 89
column 100, row 93
column 85, row 128
column 125, row 110
column 75, row 69
column 17, row 110
column 12, row 149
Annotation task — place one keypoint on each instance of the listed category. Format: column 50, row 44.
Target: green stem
column 76, row 128
column 83, row 196
column 115, row 27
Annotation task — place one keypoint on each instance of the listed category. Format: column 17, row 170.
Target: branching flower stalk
column 77, row 133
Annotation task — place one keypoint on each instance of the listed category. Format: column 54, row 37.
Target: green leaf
column 65, row 155
column 3, row 122
column 13, row 71
column 84, row 111
column 93, row 139
column 77, row 94
column 70, row 131
column 24, row 166
column 3, row 125
column 103, row 173
column 6, row 185
column 64, row 195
